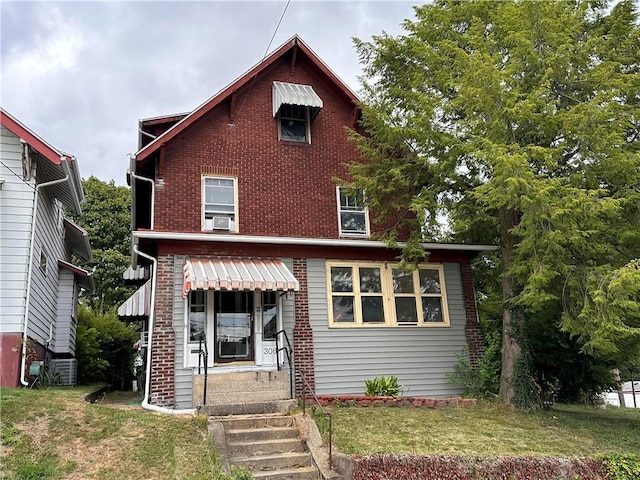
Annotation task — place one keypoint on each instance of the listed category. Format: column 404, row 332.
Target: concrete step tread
column 262, row 442
column 287, row 473
column 237, row 431
column 275, row 456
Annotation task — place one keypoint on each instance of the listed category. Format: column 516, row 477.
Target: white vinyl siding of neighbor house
column 65, row 331
column 16, row 207
column 420, row 357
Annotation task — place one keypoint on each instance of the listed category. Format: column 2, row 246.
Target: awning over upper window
column 84, row 278
column 78, row 239
column 214, row 273
column 138, row 304
column 295, row 94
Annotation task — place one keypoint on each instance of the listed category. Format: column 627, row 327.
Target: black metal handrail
column 203, row 354
column 288, row 351
column 305, row 387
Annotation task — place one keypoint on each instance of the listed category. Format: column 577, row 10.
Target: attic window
column 295, row 106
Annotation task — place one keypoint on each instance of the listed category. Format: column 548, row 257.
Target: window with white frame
column 220, row 203
column 294, row 124
column 353, row 217
column 375, row 293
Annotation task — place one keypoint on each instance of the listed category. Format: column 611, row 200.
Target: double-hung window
column 220, row 203
column 369, row 294
column 294, row 123
column 353, row 217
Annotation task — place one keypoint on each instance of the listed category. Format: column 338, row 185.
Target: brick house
column 250, row 240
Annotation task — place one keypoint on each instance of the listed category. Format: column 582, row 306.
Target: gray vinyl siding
column 183, row 376
column 420, row 357
column 65, row 331
column 16, row 207
column 44, row 285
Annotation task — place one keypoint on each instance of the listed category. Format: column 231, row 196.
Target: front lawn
column 488, row 429
column 54, row 434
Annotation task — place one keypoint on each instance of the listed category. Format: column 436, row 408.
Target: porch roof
column 138, row 304
column 217, row 273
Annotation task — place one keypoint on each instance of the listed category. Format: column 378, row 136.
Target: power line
column 17, row 175
column 265, row 55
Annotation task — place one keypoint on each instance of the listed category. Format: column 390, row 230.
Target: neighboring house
column 39, row 283
column 629, row 390
column 236, row 208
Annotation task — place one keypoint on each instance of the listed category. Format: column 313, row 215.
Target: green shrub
column 382, row 387
column 622, row 466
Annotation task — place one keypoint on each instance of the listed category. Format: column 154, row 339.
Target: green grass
column 54, row 434
column 486, row 430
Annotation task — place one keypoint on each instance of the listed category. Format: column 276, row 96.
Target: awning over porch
column 215, row 273
column 138, row 304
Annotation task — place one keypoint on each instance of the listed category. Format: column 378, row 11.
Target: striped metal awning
column 138, row 304
column 215, row 273
column 295, row 94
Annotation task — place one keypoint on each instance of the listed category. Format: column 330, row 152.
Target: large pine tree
column 518, row 122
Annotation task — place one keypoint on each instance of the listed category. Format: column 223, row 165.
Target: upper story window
column 43, row 261
column 295, row 106
column 353, row 217
column 220, row 203
column 372, row 293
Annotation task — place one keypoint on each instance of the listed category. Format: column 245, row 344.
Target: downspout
column 23, row 363
column 152, row 313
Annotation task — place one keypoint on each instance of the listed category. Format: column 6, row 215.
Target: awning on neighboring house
column 78, row 239
column 138, row 304
column 215, row 273
column 136, row 274
column 295, row 94
column 84, row 278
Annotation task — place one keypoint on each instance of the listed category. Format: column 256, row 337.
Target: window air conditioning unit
column 67, row 368
column 221, row 223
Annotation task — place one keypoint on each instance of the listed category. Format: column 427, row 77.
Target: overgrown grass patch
column 55, row 434
column 489, row 429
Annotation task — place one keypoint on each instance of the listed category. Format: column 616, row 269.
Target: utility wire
column 17, row 175
column 264, row 56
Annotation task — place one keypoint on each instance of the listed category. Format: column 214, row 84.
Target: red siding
column 285, row 189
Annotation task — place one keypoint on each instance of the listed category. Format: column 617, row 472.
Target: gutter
column 318, row 242
column 152, row 313
column 23, row 362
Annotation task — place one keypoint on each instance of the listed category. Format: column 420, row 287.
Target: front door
column 233, row 318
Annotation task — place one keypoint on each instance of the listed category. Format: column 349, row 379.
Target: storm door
column 233, row 314
column 268, row 312
column 199, row 328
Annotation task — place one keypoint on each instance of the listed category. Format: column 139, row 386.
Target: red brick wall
column 284, row 188
column 10, row 356
column 162, row 391
column 473, row 331
column 302, row 333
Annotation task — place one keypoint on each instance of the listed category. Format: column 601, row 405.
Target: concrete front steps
column 268, row 445
column 242, row 393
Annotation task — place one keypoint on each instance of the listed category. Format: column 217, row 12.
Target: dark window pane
column 370, row 280
column 341, row 279
column 429, row 281
column 197, row 315
column 293, row 130
column 402, row 281
column 372, row 310
column 406, row 310
column 233, row 332
column 432, row 309
column 353, row 222
column 342, row 309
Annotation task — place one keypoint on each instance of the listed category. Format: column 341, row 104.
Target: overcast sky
column 81, row 74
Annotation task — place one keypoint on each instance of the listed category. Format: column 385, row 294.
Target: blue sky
column 81, row 74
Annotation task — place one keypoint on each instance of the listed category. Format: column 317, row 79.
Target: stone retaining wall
column 415, row 402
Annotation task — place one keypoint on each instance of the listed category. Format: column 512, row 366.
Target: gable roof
column 294, row 42
column 57, row 165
